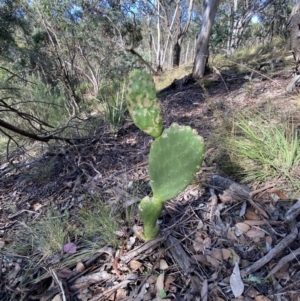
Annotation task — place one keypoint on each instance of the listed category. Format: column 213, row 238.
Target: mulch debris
column 219, row 240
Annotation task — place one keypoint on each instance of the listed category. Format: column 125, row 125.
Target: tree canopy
column 58, row 57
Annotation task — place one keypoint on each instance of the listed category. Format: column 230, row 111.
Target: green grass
column 263, row 147
column 99, row 223
column 41, row 243
column 112, row 97
column 46, row 236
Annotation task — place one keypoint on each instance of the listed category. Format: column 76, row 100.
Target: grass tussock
column 262, row 147
column 43, row 242
column 113, row 103
column 100, row 223
column 45, row 237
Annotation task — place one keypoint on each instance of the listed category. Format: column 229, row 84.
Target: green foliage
column 142, row 104
column 175, row 155
column 36, row 98
column 12, row 20
column 100, row 223
column 112, row 95
column 162, row 293
column 264, row 148
column 50, row 234
column 48, row 103
column 46, row 236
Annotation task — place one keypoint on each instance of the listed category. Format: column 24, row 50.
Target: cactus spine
column 175, row 155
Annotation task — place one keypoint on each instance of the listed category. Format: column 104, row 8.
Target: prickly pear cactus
column 174, row 159
column 142, row 104
column 149, row 211
column 175, row 155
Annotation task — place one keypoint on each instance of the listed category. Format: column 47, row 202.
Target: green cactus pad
column 174, row 159
column 149, row 211
column 142, row 104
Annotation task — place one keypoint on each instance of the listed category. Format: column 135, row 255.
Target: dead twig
column 58, row 282
column 254, row 192
column 273, row 253
column 141, row 249
column 283, row 261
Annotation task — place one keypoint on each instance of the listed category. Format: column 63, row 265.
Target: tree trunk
column 208, row 17
column 176, row 54
column 180, row 32
column 187, row 52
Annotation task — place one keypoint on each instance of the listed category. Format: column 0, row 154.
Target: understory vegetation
column 73, row 164
column 261, row 147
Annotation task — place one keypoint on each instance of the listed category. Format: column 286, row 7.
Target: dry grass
column 168, row 76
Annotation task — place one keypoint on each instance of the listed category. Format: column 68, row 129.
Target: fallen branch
column 273, row 253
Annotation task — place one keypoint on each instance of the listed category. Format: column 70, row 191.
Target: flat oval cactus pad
column 142, row 103
column 174, row 159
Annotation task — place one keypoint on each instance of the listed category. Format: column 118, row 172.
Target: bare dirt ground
column 219, row 240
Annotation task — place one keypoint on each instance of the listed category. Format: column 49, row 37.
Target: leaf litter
column 219, row 240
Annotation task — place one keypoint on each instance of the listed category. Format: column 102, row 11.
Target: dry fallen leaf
column 221, row 254
column 214, row 262
column 57, row 298
column 135, row 265
column 200, row 243
column 121, row 295
column 254, row 222
column 226, row 253
column 80, row 267
column 243, row 209
column 169, row 280
column 217, row 254
column 255, row 233
column 64, row 273
column 231, row 235
column 201, row 258
column 250, row 214
column 236, row 282
column 261, row 298
column 242, row 226
column 279, row 193
column 69, row 248
column 204, row 291
column 37, row 206
column 163, row 265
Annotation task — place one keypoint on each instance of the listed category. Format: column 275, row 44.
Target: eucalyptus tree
column 168, row 25
column 240, row 15
column 209, row 11
column 69, row 51
column 182, row 23
column 12, row 21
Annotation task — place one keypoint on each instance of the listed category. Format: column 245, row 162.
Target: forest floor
column 219, row 240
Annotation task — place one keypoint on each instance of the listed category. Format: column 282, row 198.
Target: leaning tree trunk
column 208, row 17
